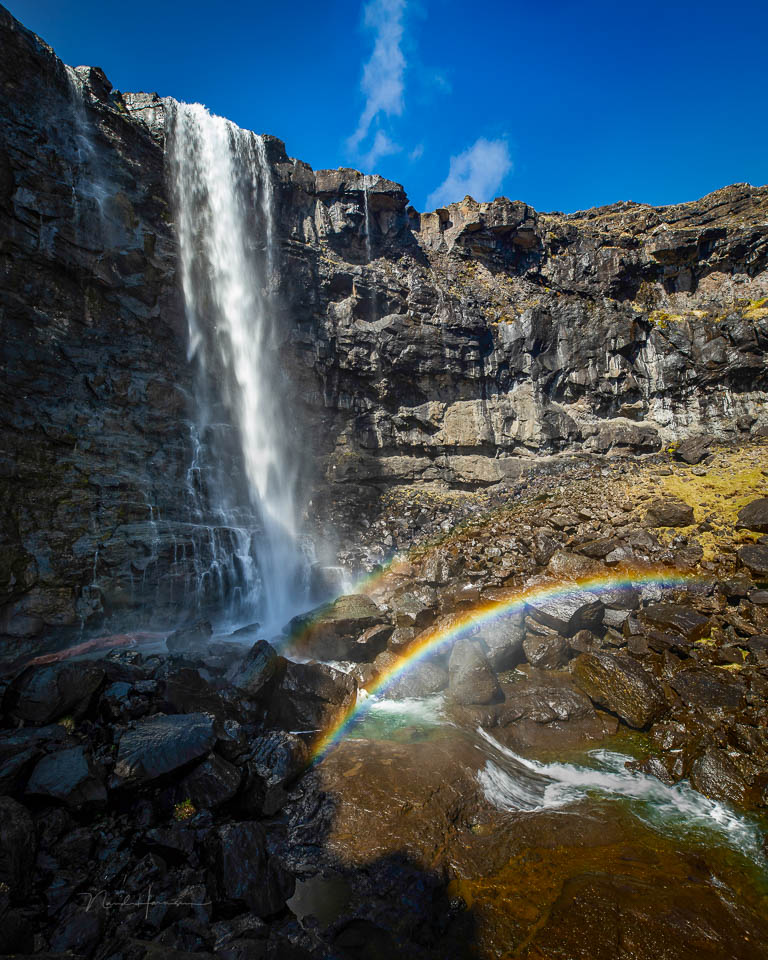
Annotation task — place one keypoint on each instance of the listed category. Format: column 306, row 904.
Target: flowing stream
column 224, row 202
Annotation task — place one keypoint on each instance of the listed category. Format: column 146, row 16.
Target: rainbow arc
column 445, row 632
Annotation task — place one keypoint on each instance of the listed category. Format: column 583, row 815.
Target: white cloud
column 417, row 153
column 479, row 171
column 383, row 146
column 382, row 82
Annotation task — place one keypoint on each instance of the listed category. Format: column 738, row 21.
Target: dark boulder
column 187, row 691
column 754, row 516
column 69, row 776
column 754, row 557
column 41, row 694
column 716, row 776
column 259, row 667
column 621, row 685
column 736, row 587
column 699, row 687
column 161, row 744
column 240, row 871
column 311, row 696
column 569, row 612
column 669, row 513
column 694, row 449
column 78, row 932
column 192, row 641
column 210, row 784
column 470, row 677
column 503, row 641
column 340, row 630
column 19, row 749
column 676, row 617
column 276, row 760
column 18, row 843
column 419, row 680
column 546, row 651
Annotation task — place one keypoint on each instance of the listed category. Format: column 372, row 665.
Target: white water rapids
column 224, row 203
column 514, row 783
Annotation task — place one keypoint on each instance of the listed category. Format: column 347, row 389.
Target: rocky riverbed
column 583, row 776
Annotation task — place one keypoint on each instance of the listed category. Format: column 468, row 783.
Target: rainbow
column 446, row 632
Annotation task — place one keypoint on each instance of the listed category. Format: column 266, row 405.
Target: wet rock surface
column 519, row 404
column 620, row 684
column 192, row 773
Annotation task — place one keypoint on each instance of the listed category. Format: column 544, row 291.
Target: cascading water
column 225, row 219
column 512, row 782
column 367, row 215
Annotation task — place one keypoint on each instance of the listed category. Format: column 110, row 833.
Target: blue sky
column 563, row 105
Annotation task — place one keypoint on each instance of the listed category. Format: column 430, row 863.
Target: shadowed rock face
column 452, row 347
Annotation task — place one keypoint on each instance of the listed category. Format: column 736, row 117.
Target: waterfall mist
column 224, row 206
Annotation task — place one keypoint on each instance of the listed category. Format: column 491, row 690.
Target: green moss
column 184, row 810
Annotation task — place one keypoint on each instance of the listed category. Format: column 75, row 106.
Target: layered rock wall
column 453, row 348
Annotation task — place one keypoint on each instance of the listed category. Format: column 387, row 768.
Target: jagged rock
column 470, row 677
column 754, row 516
column 160, row 745
column 242, row 874
column 210, row 784
column 311, row 696
column 694, row 449
column 680, row 618
column 45, row 693
column 277, row 759
column 259, row 667
column 737, row 587
column 192, row 641
column 18, row 844
column 663, row 768
column 669, row 513
column 707, row 688
column 622, row 686
column 755, row 558
column 70, row 776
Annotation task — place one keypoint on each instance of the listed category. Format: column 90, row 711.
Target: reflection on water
column 518, row 784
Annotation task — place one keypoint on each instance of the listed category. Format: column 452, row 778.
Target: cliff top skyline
column 564, row 108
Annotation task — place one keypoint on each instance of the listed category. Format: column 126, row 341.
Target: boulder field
column 170, row 787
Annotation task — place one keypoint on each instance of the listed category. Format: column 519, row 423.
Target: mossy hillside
column 731, row 480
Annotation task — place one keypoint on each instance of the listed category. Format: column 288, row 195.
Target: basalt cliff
column 456, row 350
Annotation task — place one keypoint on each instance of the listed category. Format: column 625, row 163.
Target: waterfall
column 224, row 206
column 367, row 214
column 89, row 188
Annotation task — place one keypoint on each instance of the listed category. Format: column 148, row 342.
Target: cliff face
column 450, row 348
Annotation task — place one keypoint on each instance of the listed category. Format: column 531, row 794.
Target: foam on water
column 512, row 782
